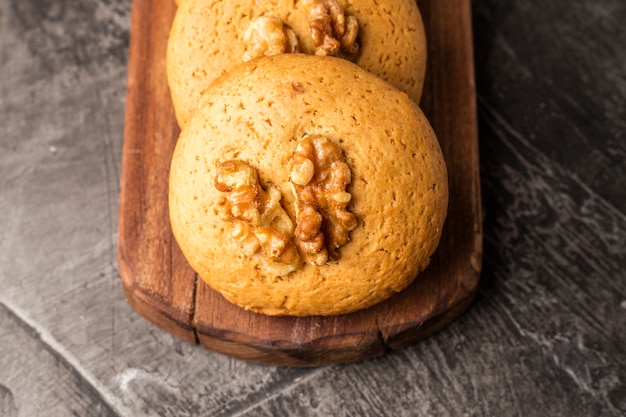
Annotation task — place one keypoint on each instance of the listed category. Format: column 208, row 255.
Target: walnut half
column 267, row 36
column 320, row 176
column 262, row 229
column 334, row 33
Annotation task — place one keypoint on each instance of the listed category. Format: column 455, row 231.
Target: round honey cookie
column 210, row 37
column 305, row 185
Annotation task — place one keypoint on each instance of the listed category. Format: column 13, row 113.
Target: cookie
column 210, row 37
column 305, row 185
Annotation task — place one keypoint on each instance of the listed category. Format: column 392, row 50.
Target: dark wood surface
column 545, row 335
column 161, row 286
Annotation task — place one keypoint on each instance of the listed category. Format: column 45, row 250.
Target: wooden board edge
column 277, row 354
column 173, row 319
column 163, row 317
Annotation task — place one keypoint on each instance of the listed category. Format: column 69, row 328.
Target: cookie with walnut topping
column 305, row 185
column 210, row 37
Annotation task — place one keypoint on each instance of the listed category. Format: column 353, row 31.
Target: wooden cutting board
column 162, row 287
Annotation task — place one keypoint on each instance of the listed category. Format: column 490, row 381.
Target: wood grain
column 156, row 279
column 162, row 287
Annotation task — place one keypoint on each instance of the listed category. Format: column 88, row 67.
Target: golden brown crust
column 258, row 114
column 207, row 40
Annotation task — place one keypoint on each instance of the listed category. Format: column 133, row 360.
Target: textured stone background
column 546, row 336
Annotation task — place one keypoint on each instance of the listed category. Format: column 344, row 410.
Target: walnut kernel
column 333, row 32
column 262, row 229
column 267, row 36
column 319, row 178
